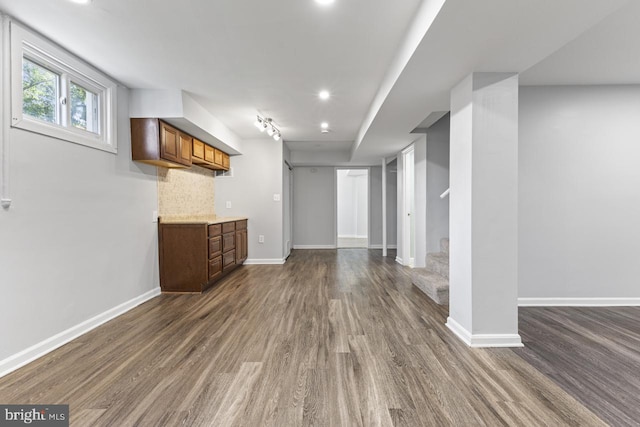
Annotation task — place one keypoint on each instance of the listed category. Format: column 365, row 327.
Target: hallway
column 333, row 337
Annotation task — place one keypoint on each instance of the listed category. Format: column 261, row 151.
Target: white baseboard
column 380, row 247
column 36, row 351
column 399, row 260
column 579, row 302
column 268, row 261
column 483, row 340
column 352, row 236
column 314, row 246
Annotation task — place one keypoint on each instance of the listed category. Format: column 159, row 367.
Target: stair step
column 438, row 262
column 432, row 284
column 444, row 245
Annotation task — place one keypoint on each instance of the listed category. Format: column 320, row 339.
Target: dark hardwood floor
column 592, row 353
column 330, row 338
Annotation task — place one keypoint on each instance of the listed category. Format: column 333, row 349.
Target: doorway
column 352, row 211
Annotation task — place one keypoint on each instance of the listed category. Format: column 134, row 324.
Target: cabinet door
column 215, row 246
column 218, row 155
column 185, row 148
column 209, row 154
column 215, row 267
column 198, row 149
column 228, row 260
column 169, row 143
column 245, row 247
column 226, row 163
column 240, row 246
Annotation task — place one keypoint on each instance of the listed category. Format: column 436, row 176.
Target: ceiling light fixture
column 81, row 1
column 324, row 125
column 324, row 2
column 324, row 95
column 267, row 124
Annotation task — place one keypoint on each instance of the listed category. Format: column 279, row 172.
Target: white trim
column 36, row 351
column 352, row 237
column 38, row 49
column 378, row 246
column 399, row 260
column 267, row 261
column 483, row 340
column 579, row 302
column 314, row 247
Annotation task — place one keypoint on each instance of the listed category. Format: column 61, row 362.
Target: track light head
column 277, row 136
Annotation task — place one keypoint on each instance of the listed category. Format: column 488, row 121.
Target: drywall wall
column 287, row 195
column 186, row 191
column 579, row 203
column 437, row 183
column 375, row 206
column 314, row 213
column 79, row 238
column 392, row 203
column 257, row 178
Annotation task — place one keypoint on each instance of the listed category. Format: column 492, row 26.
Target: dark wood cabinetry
column 158, row 143
column 194, row 255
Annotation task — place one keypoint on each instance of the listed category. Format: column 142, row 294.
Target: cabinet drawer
column 215, row 230
column 215, row 246
column 228, row 227
column 241, row 225
column 228, row 242
column 215, row 267
column 229, row 260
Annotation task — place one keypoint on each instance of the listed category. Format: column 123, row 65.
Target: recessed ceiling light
column 324, row 2
column 81, row 1
column 324, row 125
column 324, row 95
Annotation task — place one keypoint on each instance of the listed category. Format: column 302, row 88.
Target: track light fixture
column 267, row 124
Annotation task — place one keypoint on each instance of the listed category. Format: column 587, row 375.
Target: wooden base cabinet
column 193, row 256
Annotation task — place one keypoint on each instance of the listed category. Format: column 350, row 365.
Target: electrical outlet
column 154, row 216
column 261, row 239
column 228, row 205
column 276, row 197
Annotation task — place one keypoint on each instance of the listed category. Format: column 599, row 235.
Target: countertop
column 199, row 219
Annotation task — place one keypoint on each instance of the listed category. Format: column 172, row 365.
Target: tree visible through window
column 40, row 92
column 84, row 108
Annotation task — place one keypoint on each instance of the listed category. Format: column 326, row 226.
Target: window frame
column 42, row 52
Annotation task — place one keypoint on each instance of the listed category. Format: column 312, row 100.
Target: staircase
column 434, row 280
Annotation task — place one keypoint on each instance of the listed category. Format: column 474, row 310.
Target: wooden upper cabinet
column 158, row 143
column 185, row 148
column 198, row 150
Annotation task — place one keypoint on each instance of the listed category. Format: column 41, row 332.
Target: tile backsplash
column 183, row 192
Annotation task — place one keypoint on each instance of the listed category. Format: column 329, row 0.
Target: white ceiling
column 388, row 64
column 238, row 57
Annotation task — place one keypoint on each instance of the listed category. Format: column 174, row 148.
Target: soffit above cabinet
column 179, row 109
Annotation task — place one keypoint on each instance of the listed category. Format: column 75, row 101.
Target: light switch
column 261, row 239
column 228, row 205
column 154, row 216
column 276, row 197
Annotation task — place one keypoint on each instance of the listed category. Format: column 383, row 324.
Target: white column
column 384, row 207
column 483, row 306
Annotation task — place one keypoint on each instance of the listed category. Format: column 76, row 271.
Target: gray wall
column 314, row 207
column 79, row 238
column 375, row 206
column 437, row 183
column 579, row 204
column 257, row 176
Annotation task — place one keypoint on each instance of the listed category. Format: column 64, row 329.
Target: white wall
column 314, row 207
column 362, row 205
column 257, row 176
column 579, row 203
column 437, row 183
column 79, row 238
column 420, row 200
column 347, row 204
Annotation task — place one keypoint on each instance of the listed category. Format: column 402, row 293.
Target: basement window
column 56, row 94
